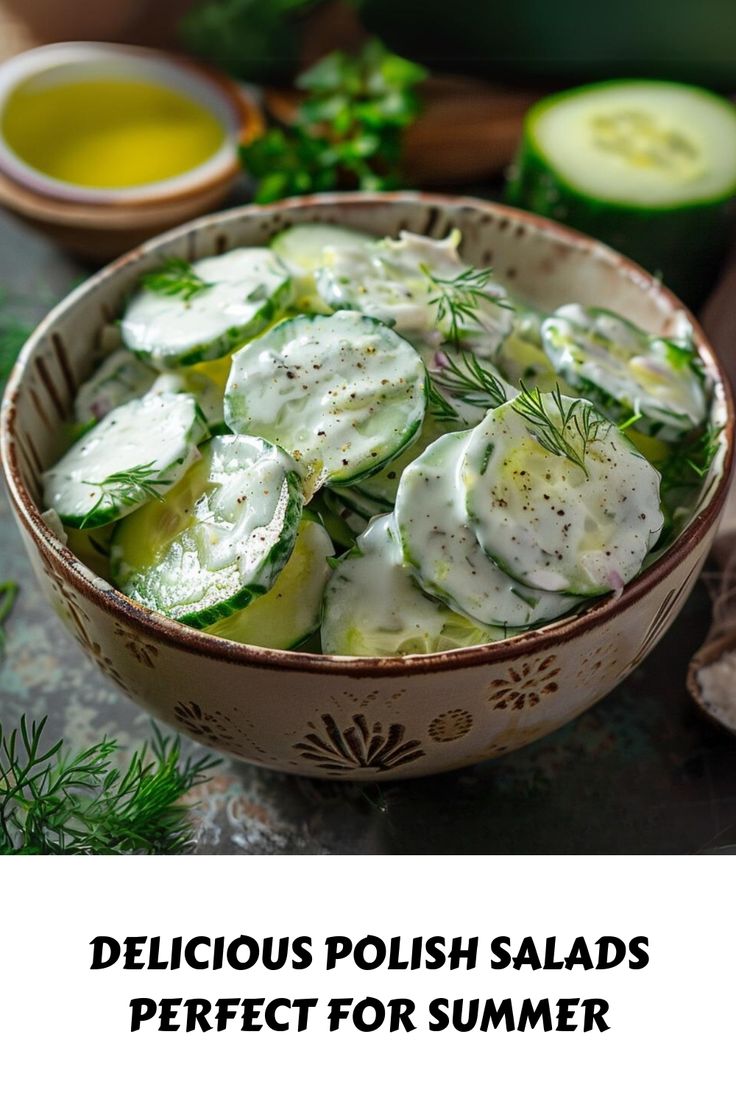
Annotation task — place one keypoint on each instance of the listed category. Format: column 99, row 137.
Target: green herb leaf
column 51, row 803
column 459, row 298
column 566, row 431
column 470, row 381
column 347, row 132
column 126, row 487
column 175, row 277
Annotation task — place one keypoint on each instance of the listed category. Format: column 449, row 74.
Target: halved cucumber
column 443, row 552
column 122, row 376
column 645, row 165
column 373, row 607
column 558, row 496
column 342, row 394
column 655, row 383
column 136, row 453
column 219, row 539
column 291, row 610
column 241, row 292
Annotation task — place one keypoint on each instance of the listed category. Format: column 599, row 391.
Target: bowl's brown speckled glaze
column 355, row 719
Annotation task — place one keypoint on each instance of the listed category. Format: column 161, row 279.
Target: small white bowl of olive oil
column 92, row 127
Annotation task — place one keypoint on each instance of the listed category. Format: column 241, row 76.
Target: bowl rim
column 187, row 639
column 195, row 80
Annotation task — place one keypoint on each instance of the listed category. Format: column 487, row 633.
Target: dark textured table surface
column 639, row 773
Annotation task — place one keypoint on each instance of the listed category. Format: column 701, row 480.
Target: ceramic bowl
column 354, row 719
column 101, row 222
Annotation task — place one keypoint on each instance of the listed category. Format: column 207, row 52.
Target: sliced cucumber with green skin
column 291, row 611
column 219, row 539
column 380, row 489
column 245, row 290
column 655, row 383
column 120, row 378
column 393, row 281
column 575, row 526
column 342, row 394
column 443, row 552
column 136, row 453
column 302, row 247
column 373, row 607
column 206, row 389
column 647, row 166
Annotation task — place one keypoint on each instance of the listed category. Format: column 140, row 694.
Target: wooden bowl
column 100, row 224
column 355, row 718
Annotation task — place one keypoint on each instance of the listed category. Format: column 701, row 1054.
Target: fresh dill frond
column 566, row 431
column 459, row 298
column 689, row 463
column 439, row 405
column 470, row 381
column 126, row 487
column 176, row 277
column 54, row 804
column 8, row 594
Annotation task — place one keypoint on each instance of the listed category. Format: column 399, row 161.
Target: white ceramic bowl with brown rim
column 354, row 718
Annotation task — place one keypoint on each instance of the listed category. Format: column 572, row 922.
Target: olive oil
column 109, row 133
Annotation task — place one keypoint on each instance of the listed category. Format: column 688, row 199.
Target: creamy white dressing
column 246, row 288
column 644, row 375
column 155, row 438
column 373, row 606
column 392, row 280
column 444, row 552
column 206, row 392
column 341, row 394
column 120, row 378
column 548, row 522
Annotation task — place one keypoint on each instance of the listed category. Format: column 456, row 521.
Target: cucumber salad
column 371, row 448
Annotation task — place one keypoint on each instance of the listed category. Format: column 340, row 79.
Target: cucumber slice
column 404, row 283
column 443, row 552
column 558, row 496
column 206, row 382
column 379, row 490
column 217, row 540
column 522, row 359
column 136, row 453
column 646, row 166
column 243, row 291
column 120, row 378
column 291, row 611
column 373, row 607
column 628, row 374
column 302, row 247
column 342, row 394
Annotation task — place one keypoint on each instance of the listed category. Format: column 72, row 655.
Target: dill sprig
column 175, row 277
column 688, row 464
column 439, row 405
column 470, row 381
column 53, row 804
column 126, row 487
column 567, row 431
column 8, row 594
column 459, row 298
